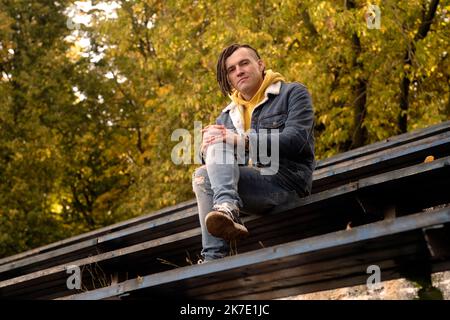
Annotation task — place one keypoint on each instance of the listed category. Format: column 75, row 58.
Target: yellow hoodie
column 269, row 78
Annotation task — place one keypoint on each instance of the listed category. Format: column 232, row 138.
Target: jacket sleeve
column 297, row 135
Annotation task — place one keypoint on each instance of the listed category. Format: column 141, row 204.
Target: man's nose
column 239, row 71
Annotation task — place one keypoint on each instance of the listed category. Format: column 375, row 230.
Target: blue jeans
column 225, row 181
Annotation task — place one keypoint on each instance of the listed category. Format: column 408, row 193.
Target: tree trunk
column 359, row 136
column 405, row 82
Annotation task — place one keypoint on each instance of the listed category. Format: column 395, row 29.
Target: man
column 264, row 108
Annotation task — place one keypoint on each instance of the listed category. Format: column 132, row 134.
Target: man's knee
column 200, row 179
column 220, row 153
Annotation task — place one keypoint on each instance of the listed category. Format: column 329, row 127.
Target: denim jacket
column 288, row 108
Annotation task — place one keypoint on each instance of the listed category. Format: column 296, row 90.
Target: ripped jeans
column 225, row 181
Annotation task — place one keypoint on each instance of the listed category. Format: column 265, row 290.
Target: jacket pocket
column 273, row 122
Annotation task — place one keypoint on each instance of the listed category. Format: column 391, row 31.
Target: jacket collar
column 272, row 89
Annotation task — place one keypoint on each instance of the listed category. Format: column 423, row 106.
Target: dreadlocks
column 222, row 76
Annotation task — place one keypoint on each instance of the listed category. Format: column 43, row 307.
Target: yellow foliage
column 164, row 90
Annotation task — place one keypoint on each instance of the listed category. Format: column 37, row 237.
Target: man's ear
column 261, row 65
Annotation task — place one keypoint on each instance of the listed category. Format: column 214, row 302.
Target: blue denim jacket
column 288, row 108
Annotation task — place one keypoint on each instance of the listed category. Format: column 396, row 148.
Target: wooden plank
column 147, row 230
column 102, row 231
column 311, row 264
column 366, row 182
column 174, row 209
column 136, row 255
column 282, row 279
column 351, row 155
column 304, row 270
column 353, row 277
column 388, row 143
column 281, row 226
column 276, row 253
column 275, row 228
column 117, row 254
column 391, row 159
column 43, row 294
column 306, row 274
column 332, row 263
column 422, row 171
column 12, row 287
column 413, row 152
column 141, row 247
column 438, row 241
column 50, row 258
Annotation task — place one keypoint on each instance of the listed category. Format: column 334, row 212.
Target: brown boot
column 223, row 222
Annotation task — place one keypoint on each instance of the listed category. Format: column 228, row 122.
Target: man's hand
column 217, row 133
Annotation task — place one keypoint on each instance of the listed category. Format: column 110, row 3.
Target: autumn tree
column 87, row 109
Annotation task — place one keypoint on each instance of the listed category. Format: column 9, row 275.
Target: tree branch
column 307, row 21
column 422, row 32
column 427, row 21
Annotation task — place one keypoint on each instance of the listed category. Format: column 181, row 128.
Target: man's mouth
column 242, row 80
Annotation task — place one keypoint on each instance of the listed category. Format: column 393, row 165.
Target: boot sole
column 221, row 226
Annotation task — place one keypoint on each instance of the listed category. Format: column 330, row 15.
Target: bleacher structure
column 380, row 204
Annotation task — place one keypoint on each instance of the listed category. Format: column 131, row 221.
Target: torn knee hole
column 199, row 180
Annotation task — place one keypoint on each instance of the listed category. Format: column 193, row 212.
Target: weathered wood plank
column 350, row 155
column 387, row 160
column 169, row 223
column 299, row 222
column 183, row 220
column 388, row 143
column 102, row 231
column 104, row 234
column 249, row 260
column 306, row 274
column 146, row 254
column 329, row 262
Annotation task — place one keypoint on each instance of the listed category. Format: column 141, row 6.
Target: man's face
column 244, row 71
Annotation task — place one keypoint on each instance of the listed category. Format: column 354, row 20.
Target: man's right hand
column 217, row 133
column 212, row 134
